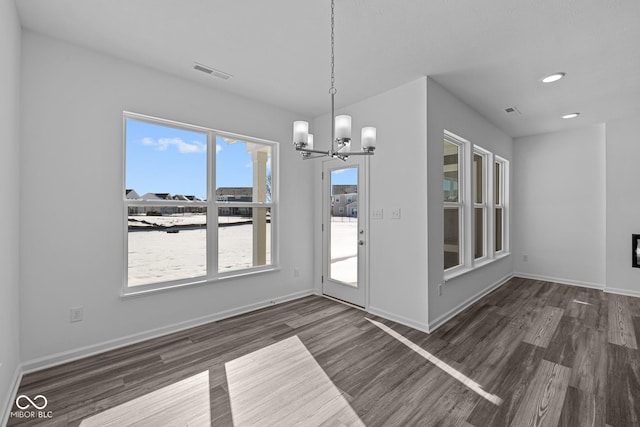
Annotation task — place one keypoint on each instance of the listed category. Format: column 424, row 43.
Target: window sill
column 132, row 292
column 450, row 275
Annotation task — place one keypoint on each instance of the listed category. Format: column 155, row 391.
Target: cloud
column 218, row 148
column 183, row 147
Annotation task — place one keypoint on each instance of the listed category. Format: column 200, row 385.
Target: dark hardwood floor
column 548, row 354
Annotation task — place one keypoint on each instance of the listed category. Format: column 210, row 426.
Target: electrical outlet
column 296, row 272
column 76, row 314
column 525, row 258
column 395, row 213
column 376, row 214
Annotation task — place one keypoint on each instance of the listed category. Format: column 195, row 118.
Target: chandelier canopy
column 341, row 128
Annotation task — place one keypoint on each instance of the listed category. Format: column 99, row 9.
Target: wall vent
column 211, row 71
column 512, row 111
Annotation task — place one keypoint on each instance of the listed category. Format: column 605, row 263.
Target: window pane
column 478, row 184
column 166, row 243
column 244, row 237
column 243, row 171
column 498, row 181
column 165, row 162
column 499, row 228
column 451, row 237
column 451, row 171
column 479, row 232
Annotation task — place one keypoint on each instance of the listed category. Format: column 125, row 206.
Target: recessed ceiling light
column 553, row 77
column 571, row 116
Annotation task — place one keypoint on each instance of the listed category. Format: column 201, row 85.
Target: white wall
column 10, row 190
column 72, row 227
column 559, row 206
column 397, row 284
column 623, row 204
column 446, row 112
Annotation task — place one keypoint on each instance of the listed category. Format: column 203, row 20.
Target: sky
column 346, row 176
column 161, row 159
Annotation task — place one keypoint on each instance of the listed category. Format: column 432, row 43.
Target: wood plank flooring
column 530, row 353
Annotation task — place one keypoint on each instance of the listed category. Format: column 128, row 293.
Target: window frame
column 212, row 204
column 460, row 204
column 484, row 205
column 501, row 203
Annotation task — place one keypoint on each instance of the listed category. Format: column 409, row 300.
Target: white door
column 345, row 230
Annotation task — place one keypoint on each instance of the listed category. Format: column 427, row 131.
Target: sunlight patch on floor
column 468, row 382
column 186, row 402
column 282, row 384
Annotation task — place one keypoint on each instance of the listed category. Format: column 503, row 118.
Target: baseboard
column 91, row 350
column 625, row 292
column 399, row 319
column 11, row 396
column 441, row 320
column 561, row 281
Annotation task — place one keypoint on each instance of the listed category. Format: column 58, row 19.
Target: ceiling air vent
column 211, row 71
column 512, row 111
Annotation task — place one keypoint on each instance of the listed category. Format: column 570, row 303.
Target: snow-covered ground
column 156, row 255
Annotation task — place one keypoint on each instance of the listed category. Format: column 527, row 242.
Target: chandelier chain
column 332, row 90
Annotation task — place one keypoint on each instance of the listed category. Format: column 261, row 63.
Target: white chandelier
column 340, row 131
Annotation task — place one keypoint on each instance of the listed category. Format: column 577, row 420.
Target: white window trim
column 463, row 217
column 212, row 205
column 504, row 199
column 484, row 205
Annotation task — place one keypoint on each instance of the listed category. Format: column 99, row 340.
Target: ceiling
column 490, row 54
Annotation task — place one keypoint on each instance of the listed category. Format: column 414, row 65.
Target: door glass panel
column 343, row 228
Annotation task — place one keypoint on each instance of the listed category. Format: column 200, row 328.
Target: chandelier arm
column 357, row 153
column 306, row 150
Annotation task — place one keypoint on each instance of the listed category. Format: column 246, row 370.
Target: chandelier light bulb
column 300, row 132
column 368, row 140
column 343, row 127
column 310, row 142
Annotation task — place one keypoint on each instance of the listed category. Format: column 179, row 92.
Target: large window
column 200, row 204
column 475, row 204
